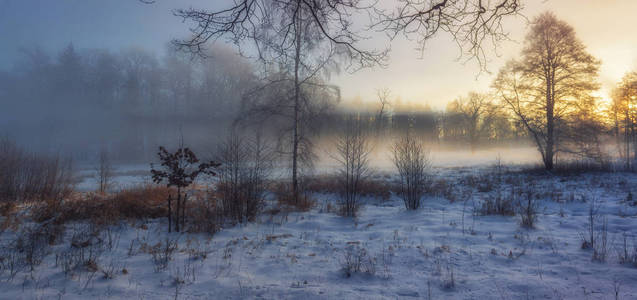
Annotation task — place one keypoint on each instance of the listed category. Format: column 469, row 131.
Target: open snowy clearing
column 446, row 250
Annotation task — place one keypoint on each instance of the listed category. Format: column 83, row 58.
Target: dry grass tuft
column 145, row 201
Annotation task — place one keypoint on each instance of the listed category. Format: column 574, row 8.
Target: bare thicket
column 104, row 171
column 352, row 155
column 245, row 167
column 33, row 177
column 179, row 169
column 549, row 90
column 413, row 163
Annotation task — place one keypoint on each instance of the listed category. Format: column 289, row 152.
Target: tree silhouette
column 179, row 169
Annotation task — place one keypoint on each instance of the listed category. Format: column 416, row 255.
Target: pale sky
column 607, row 27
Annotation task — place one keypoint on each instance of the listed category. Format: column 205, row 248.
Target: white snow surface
column 414, row 254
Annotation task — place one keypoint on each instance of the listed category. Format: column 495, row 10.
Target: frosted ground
column 442, row 251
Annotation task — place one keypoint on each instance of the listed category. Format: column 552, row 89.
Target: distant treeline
column 474, row 120
column 127, row 102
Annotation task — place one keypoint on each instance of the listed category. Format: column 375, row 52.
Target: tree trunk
column 297, row 94
column 183, row 212
column 627, row 140
column 550, row 119
column 178, row 207
column 170, row 217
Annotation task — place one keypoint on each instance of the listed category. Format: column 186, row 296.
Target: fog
column 80, row 101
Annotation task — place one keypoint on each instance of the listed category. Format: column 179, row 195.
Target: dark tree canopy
column 179, row 169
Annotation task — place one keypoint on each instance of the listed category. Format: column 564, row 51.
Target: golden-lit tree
column 623, row 112
column 549, row 89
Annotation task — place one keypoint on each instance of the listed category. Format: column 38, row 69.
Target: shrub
column 206, row 215
column 162, row 253
column 413, row 163
column 285, row 197
column 245, row 166
column 33, row 177
column 527, row 210
column 627, row 255
column 352, row 152
column 357, row 260
column 498, row 205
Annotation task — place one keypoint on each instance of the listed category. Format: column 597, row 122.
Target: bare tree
column 413, row 163
column 104, row 171
column 551, row 83
column 300, row 39
column 384, row 104
column 352, row 155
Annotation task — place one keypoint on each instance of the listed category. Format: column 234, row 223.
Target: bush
column 527, row 210
column 33, row 177
column 627, row 255
column 352, row 152
column 245, row 166
column 206, row 215
column 413, row 163
column 498, row 205
column 357, row 260
column 285, row 197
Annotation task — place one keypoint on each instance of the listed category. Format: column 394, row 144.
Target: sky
column 607, row 28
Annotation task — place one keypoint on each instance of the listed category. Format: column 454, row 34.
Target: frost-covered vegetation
column 486, row 232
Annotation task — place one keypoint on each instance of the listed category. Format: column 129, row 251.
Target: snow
column 415, row 253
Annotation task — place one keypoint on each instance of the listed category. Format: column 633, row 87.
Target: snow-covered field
column 443, row 251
